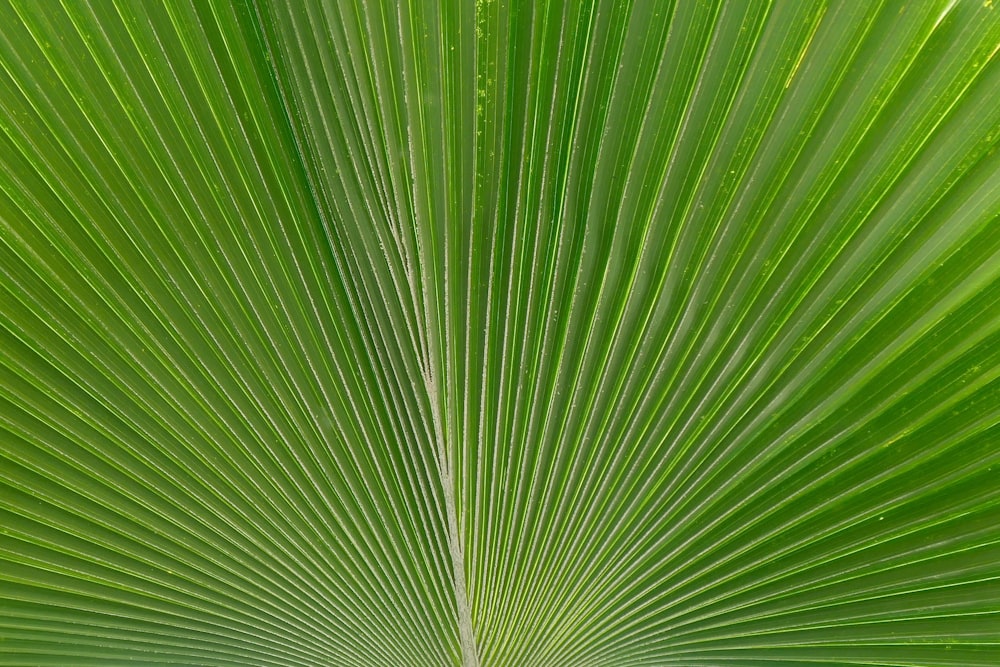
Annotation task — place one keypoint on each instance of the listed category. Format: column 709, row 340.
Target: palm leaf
column 612, row 333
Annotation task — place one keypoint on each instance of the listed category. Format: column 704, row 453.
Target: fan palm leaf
column 559, row 334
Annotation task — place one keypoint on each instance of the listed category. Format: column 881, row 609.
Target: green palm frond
column 612, row 333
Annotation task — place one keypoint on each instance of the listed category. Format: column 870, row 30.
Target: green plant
column 507, row 332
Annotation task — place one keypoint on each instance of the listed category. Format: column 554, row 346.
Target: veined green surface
column 507, row 332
